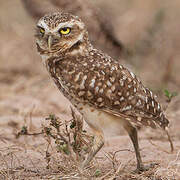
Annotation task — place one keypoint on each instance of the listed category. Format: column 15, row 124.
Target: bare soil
column 150, row 29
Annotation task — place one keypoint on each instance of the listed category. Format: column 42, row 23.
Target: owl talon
column 143, row 168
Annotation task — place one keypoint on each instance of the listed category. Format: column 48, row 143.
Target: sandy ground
column 27, row 95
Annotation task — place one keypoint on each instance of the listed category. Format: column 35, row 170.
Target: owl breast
column 63, row 73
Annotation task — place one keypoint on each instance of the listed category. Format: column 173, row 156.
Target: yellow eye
column 65, row 30
column 42, row 31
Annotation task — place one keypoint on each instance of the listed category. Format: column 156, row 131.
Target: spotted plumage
column 97, row 85
column 108, row 86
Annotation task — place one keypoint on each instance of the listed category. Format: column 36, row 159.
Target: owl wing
column 118, row 91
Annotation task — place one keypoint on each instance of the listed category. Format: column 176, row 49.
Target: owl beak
column 50, row 42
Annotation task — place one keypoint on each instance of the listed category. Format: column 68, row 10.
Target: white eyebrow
column 68, row 24
column 61, row 25
column 43, row 24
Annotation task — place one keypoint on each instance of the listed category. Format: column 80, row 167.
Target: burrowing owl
column 106, row 93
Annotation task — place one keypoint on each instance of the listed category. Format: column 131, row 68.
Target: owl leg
column 97, row 145
column 134, row 138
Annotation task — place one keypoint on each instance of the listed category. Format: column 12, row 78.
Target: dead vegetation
column 63, row 146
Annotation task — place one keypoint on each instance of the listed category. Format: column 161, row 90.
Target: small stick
column 169, row 139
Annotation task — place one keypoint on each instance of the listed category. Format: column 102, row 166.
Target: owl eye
column 41, row 30
column 65, row 30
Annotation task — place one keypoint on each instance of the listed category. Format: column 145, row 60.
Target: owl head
column 59, row 32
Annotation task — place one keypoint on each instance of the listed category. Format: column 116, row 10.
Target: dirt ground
column 150, row 30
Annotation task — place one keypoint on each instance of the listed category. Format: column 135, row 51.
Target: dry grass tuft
column 66, row 140
column 71, row 141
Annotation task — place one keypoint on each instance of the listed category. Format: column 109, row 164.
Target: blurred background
column 142, row 35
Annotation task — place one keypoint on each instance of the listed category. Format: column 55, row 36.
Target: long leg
column 97, row 145
column 134, row 138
